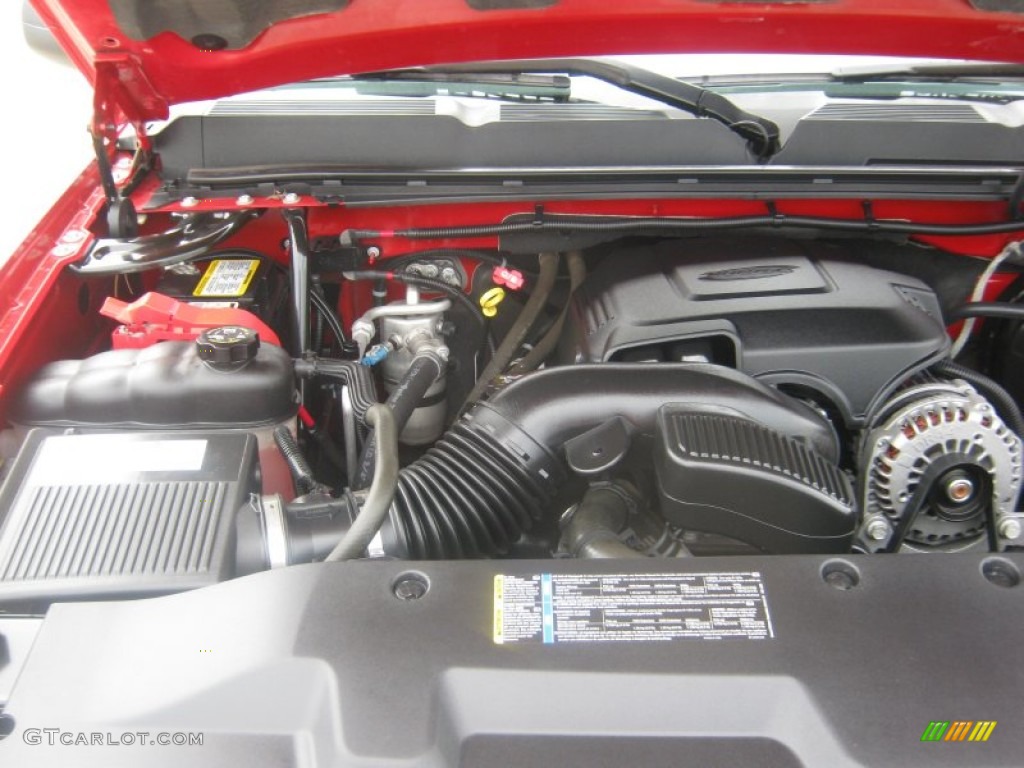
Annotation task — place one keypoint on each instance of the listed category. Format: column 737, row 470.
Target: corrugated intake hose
column 483, row 484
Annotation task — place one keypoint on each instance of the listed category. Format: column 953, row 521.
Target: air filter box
column 128, row 514
column 721, row 472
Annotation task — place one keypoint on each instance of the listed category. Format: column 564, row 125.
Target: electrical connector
column 509, row 278
column 374, row 355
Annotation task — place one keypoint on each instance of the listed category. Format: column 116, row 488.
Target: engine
column 673, row 398
column 793, row 314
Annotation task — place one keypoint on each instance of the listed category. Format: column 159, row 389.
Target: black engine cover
column 785, row 311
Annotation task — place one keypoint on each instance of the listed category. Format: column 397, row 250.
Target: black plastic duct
column 497, row 470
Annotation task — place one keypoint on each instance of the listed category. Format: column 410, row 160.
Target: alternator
column 946, row 435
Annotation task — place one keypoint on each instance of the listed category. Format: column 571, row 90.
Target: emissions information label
column 227, row 277
column 565, row 608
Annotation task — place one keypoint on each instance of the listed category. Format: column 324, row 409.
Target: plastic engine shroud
column 784, row 311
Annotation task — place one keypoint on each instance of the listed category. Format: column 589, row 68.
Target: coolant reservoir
column 241, row 385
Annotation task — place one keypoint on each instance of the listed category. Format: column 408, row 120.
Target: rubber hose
column 302, row 473
column 520, row 328
column 359, row 379
column 994, row 309
column 593, row 529
column 375, row 508
column 482, row 485
column 320, row 305
column 543, row 348
column 423, row 371
column 1002, row 400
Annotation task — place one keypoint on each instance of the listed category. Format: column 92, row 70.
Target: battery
column 233, row 279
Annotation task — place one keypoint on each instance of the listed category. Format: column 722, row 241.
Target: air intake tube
column 497, row 470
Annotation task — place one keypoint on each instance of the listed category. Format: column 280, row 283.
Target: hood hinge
column 122, row 96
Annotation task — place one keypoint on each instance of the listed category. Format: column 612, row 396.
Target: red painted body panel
column 45, row 312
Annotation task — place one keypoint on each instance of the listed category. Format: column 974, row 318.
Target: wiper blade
column 934, row 72
column 762, row 134
column 893, row 91
column 512, row 86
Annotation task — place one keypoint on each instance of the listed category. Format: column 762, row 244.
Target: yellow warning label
column 227, row 277
column 499, row 604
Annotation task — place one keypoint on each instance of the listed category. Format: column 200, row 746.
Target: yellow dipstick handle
column 490, row 300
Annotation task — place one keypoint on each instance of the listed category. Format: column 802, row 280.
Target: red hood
column 149, row 66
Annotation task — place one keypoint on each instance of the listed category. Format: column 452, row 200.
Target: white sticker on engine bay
column 88, row 459
column 571, row 608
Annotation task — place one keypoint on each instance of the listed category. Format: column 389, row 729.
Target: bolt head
column 73, row 236
column 189, row 202
column 410, row 589
column 373, row 253
column 244, row 200
column 291, row 198
column 64, row 250
column 1010, row 528
column 878, row 529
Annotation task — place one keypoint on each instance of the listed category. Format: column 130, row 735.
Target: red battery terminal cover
column 155, row 317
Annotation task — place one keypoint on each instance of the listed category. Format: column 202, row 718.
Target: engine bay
column 255, row 396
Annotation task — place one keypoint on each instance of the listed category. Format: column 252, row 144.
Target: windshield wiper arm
column 762, row 134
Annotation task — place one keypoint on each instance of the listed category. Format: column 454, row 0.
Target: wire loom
column 639, row 225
